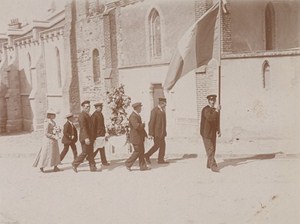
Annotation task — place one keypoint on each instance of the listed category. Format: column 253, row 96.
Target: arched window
column 270, row 26
column 29, row 69
column 155, row 34
column 58, row 68
column 96, row 65
column 266, row 75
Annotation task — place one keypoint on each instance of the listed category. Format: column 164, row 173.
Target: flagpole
column 220, row 50
column 219, row 66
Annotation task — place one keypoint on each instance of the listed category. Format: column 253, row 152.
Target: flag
column 195, row 48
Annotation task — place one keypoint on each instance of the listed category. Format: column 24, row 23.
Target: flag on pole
column 195, row 48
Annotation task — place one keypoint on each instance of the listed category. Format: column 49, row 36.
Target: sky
column 24, row 10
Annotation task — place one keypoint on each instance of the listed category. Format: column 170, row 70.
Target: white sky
column 24, row 10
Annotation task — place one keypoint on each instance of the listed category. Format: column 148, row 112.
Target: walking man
column 157, row 130
column 70, row 137
column 99, row 133
column 137, row 136
column 209, row 128
column 86, row 138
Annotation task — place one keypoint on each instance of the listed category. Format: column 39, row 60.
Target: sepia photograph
column 149, row 111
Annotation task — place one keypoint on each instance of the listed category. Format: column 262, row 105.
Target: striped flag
column 195, row 48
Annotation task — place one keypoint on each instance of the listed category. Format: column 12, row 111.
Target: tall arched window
column 29, row 69
column 270, row 26
column 58, row 68
column 266, row 75
column 96, row 65
column 155, row 34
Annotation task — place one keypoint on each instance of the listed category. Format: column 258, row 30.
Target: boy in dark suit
column 70, row 137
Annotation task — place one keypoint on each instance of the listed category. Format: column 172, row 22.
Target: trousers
column 210, row 148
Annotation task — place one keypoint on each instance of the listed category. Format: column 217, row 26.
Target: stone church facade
column 89, row 47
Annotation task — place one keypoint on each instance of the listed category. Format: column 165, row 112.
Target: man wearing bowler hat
column 209, row 128
column 137, row 136
column 157, row 130
column 99, row 132
column 86, row 138
column 70, row 137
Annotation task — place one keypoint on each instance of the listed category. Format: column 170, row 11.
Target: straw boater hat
column 98, row 104
column 69, row 115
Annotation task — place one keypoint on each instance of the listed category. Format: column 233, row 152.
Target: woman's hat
column 51, row 111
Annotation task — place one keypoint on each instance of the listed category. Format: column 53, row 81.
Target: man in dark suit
column 70, row 137
column 137, row 136
column 86, row 138
column 157, row 130
column 99, row 131
column 209, row 128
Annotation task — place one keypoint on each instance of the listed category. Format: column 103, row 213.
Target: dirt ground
column 255, row 188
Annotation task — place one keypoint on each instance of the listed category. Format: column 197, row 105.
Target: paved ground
column 258, row 183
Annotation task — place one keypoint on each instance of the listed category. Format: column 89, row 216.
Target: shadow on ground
column 121, row 163
column 245, row 160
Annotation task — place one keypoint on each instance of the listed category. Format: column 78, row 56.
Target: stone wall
column 251, row 111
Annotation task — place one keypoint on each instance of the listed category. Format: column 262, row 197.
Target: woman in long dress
column 48, row 155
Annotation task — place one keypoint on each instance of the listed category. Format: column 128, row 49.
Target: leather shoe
column 106, row 164
column 145, row 168
column 56, row 169
column 42, row 170
column 74, row 168
column 128, row 168
column 163, row 162
column 215, row 169
column 93, row 168
column 147, row 159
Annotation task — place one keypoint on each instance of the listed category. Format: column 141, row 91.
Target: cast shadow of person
column 115, row 163
column 154, row 163
column 245, row 160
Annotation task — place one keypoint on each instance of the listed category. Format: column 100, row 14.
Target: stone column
column 13, row 101
column 3, row 91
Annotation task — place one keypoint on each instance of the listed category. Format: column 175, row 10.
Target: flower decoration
column 118, row 102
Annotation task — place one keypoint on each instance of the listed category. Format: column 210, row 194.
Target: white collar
column 136, row 112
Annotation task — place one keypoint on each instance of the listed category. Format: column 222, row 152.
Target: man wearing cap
column 157, row 130
column 70, row 137
column 137, row 136
column 209, row 128
column 99, row 131
column 86, row 138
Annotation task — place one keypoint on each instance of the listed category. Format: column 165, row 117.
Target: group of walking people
column 92, row 133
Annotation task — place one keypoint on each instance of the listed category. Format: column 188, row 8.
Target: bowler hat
column 85, row 102
column 137, row 104
column 69, row 115
column 211, row 97
column 162, row 99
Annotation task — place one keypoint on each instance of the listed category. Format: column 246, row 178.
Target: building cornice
column 259, row 54
column 143, row 66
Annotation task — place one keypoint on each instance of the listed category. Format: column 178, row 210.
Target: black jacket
column 209, row 122
column 68, row 132
column 98, row 124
